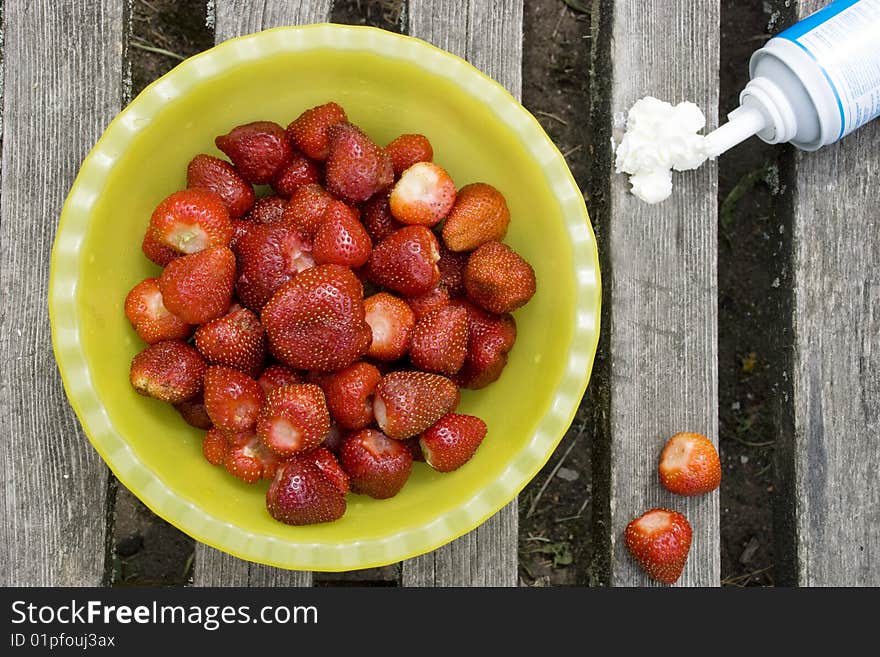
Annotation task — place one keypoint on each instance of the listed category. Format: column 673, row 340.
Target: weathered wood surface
column 489, row 35
column 215, row 568
column 233, row 18
column 236, row 17
column 662, row 286
column 54, row 484
column 836, row 369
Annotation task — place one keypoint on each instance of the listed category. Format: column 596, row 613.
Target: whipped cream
column 658, row 139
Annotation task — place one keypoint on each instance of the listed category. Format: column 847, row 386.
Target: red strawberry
column 220, row 177
column 490, row 338
column 259, row 150
column 451, row 266
column 190, row 221
column 408, row 402
column 232, row 399
column 377, row 218
column 439, row 341
column 248, row 459
column 236, row 339
column 215, row 447
column 306, row 208
column 269, row 255
column 391, row 321
column 294, row 419
column 349, row 394
column 149, row 316
column 193, row 412
column 480, row 215
column 689, row 465
column 316, row 321
column 198, row 287
column 406, row 261
column 406, row 150
column 426, row 303
column 356, row 167
column 300, row 171
column 156, row 251
column 452, row 441
column 341, row 238
column 376, row 465
column 301, row 494
column 170, row 371
column 423, row 196
column 267, row 210
column 497, row 279
column 276, row 376
column 659, row 541
column 329, row 466
column 309, row 131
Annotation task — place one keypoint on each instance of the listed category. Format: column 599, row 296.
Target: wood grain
column 215, row 568
column 486, row 556
column 662, row 285
column 489, row 35
column 63, row 85
column 836, row 372
column 234, row 18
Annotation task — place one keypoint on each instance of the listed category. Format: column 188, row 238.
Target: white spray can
column 811, row 84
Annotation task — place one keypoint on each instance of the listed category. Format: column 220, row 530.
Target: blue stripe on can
column 815, row 19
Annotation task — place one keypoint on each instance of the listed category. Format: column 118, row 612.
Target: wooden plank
column 489, row 35
column 233, row 18
column 486, row 556
column 63, row 85
column 215, row 568
column 662, row 286
column 836, row 385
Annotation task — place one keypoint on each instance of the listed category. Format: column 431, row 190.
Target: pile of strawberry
column 261, row 332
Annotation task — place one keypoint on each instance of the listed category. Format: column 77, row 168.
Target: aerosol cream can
column 813, row 83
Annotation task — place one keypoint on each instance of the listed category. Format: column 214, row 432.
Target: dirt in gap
column 555, row 508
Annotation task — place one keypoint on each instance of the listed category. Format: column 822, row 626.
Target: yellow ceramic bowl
column 388, row 84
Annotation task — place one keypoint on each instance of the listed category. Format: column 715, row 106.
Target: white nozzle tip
column 742, row 123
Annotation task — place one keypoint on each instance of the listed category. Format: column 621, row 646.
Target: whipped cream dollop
column 660, row 137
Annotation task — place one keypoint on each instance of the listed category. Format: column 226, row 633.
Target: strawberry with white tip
column 294, row 419
column 248, row 459
column 451, row 442
column 423, row 196
column 170, row 371
column 689, row 465
column 152, row 321
column 391, row 322
column 407, row 402
column 659, row 540
column 190, row 221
